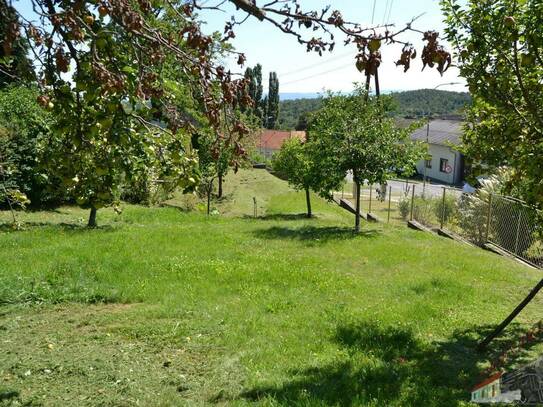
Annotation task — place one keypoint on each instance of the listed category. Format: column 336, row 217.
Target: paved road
column 399, row 186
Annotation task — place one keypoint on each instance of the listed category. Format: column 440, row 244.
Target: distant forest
column 414, row 103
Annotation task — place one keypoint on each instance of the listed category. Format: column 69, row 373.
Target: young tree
column 272, row 110
column 499, row 47
column 297, row 162
column 215, row 158
column 217, row 155
column 108, row 148
column 353, row 133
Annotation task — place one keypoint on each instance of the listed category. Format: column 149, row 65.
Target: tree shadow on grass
column 282, row 216
column 389, row 365
column 306, row 233
column 63, row 226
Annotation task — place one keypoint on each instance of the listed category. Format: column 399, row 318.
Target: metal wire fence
column 514, row 227
column 381, row 201
column 480, row 218
column 505, row 222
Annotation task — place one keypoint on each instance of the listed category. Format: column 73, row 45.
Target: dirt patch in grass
column 89, row 355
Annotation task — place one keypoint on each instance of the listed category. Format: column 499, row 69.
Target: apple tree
column 499, row 47
column 353, row 133
column 304, row 169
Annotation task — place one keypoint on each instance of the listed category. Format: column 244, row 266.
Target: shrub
column 404, row 205
column 446, row 209
column 472, row 218
column 423, row 210
column 24, row 131
column 473, row 209
column 535, row 251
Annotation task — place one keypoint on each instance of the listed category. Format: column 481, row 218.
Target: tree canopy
column 499, row 46
column 14, row 62
column 300, row 164
column 353, row 134
column 111, row 71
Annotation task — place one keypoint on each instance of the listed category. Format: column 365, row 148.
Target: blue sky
column 300, row 71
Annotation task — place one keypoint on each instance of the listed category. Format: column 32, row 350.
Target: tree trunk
column 308, row 201
column 368, row 81
column 357, row 215
column 219, row 193
column 92, row 218
column 208, row 198
column 377, row 87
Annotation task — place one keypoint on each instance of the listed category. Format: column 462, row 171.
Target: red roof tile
column 274, row 139
column 487, row 381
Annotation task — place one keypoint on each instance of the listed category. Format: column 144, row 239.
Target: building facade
column 445, row 163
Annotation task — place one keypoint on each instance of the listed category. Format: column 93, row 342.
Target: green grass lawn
column 162, row 307
column 239, row 191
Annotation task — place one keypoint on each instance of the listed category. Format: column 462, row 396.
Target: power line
column 308, row 67
column 318, row 74
column 373, row 12
column 386, row 9
column 390, row 11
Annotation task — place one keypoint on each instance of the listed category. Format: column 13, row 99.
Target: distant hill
column 418, row 103
column 409, row 104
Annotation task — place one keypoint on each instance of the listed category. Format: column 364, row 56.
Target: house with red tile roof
column 269, row 142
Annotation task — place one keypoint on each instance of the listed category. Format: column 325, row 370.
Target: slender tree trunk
column 308, row 201
column 208, row 198
column 377, row 87
column 368, row 81
column 92, row 218
column 219, row 193
column 357, row 216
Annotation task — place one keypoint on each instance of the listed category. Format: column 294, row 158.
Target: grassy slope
column 278, row 310
column 239, row 190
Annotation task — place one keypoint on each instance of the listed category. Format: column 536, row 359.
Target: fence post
column 488, row 216
column 412, row 202
column 371, row 189
column 518, row 232
column 443, row 208
column 389, row 202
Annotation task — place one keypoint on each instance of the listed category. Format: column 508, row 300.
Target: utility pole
column 428, row 136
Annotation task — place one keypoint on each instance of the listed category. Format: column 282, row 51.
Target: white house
column 446, row 164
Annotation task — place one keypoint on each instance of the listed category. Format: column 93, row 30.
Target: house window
column 443, row 164
column 428, row 162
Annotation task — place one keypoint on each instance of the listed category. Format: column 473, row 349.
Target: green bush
column 535, row 251
column 423, row 211
column 405, row 207
column 24, row 132
column 147, row 189
column 445, row 210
